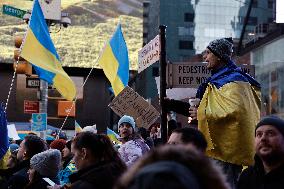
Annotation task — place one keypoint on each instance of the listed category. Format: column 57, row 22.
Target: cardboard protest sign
column 128, row 102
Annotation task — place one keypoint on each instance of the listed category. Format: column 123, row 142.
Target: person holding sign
column 228, row 111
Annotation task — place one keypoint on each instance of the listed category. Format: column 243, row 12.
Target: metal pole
column 43, row 96
column 163, row 84
column 244, row 28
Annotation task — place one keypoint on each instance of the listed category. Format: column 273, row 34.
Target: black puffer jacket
column 98, row 176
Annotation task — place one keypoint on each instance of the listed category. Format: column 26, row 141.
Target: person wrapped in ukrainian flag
column 229, row 108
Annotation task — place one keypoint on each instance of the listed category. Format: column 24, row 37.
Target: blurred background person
column 173, row 167
column 30, row 146
column 44, row 165
column 98, row 163
column 68, row 167
column 188, row 136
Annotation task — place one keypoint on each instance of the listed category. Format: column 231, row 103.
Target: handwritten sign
column 128, row 102
column 149, row 54
column 193, row 74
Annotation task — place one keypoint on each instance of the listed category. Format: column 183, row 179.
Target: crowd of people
column 230, row 148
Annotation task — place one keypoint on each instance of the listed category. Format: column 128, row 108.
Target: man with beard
column 268, row 171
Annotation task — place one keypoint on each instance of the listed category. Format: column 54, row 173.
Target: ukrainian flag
column 4, row 140
column 39, row 50
column 78, row 128
column 114, row 61
column 113, row 136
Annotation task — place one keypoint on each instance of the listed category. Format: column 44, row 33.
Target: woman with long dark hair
column 96, row 160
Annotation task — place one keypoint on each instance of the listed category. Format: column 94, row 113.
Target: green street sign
column 12, row 11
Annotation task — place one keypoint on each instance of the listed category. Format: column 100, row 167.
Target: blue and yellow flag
column 228, row 113
column 114, row 61
column 39, row 50
column 113, row 136
column 78, row 128
column 4, row 140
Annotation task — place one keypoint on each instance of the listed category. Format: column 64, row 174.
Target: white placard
column 12, row 132
column 149, row 54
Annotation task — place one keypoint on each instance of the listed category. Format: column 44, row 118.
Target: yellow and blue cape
column 228, row 113
column 39, row 50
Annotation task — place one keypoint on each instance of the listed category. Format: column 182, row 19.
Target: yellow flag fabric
column 227, row 117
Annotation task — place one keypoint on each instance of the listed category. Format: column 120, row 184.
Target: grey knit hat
column 222, row 48
column 47, row 163
column 127, row 119
column 273, row 121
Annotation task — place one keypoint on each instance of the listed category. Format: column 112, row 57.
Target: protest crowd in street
column 231, row 147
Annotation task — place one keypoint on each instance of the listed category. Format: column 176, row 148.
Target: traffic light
column 24, row 67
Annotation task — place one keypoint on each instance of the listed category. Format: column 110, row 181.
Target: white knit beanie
column 47, row 163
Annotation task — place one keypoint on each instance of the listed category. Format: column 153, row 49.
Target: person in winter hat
column 58, row 144
column 133, row 146
column 228, row 111
column 268, row 170
column 44, row 164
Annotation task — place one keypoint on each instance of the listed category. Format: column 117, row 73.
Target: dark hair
column 68, row 144
column 208, row 175
column 34, row 145
column 100, row 147
column 33, row 183
column 143, row 132
column 192, row 135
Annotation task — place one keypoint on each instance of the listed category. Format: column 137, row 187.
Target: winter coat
column 255, row 178
column 66, row 172
column 98, row 176
column 132, row 150
column 20, row 178
column 41, row 184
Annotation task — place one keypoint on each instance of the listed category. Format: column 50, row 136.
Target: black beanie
column 221, row 48
column 273, row 121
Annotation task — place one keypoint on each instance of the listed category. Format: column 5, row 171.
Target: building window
column 145, row 35
column 270, row 20
column 155, row 71
column 188, row 17
column 185, row 44
column 270, row 4
column 252, row 21
column 146, row 4
column 254, row 3
column 185, row 31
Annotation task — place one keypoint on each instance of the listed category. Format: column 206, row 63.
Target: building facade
column 192, row 24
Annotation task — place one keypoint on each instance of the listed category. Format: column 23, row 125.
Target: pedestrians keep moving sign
column 191, row 75
column 39, row 122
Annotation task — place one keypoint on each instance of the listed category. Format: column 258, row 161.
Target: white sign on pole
column 279, row 11
column 149, row 54
column 128, row 102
